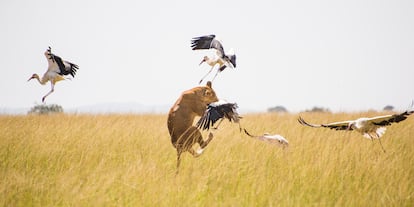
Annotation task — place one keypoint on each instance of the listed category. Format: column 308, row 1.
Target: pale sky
column 349, row 55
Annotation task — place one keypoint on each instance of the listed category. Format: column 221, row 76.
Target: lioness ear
column 209, row 84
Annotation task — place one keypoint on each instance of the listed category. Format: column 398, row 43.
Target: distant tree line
column 388, row 108
column 277, row 109
column 282, row 109
column 319, row 109
column 46, row 109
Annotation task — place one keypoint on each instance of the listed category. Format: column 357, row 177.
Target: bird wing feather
column 389, row 119
column 50, row 60
column 232, row 59
column 216, row 112
column 65, row 67
column 59, row 65
column 203, row 42
column 343, row 125
column 207, row 42
column 209, row 118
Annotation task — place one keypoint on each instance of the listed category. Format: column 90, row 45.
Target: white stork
column 56, row 71
column 218, row 110
column 222, row 59
column 273, row 139
column 371, row 128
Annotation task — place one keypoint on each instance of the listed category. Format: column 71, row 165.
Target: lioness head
column 207, row 94
column 196, row 99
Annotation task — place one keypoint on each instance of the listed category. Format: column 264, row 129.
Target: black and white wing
column 65, row 67
column 216, row 111
column 232, row 59
column 344, row 125
column 389, row 119
column 207, row 42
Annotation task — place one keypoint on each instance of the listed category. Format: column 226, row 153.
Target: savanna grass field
column 128, row 160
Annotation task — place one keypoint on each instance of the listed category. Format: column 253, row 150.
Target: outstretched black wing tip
column 395, row 118
column 233, row 60
column 212, row 36
column 202, row 42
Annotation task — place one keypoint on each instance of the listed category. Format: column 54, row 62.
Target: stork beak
column 30, row 78
column 202, row 61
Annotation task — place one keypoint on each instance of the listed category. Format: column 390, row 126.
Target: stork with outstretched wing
column 221, row 58
column 371, row 128
column 270, row 138
column 57, row 69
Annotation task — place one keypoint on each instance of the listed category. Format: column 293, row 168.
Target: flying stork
column 221, row 58
column 273, row 139
column 218, row 111
column 57, row 69
column 371, row 128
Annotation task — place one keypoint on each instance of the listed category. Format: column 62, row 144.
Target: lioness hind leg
column 178, row 160
column 195, row 153
column 203, row 143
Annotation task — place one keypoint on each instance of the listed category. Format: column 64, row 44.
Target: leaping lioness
column 181, row 116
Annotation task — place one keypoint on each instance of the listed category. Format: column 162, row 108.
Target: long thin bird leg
column 379, row 140
column 206, row 75
column 51, row 91
column 218, row 71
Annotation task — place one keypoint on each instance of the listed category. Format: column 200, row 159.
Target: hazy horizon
column 342, row 55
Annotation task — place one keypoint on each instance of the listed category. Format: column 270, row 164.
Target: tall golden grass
column 128, row 160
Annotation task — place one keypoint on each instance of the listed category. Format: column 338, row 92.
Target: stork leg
column 206, row 75
column 218, row 71
column 372, row 136
column 379, row 140
column 51, row 91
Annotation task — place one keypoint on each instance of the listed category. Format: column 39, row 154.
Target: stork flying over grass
column 371, row 128
column 270, row 138
column 56, row 71
column 222, row 59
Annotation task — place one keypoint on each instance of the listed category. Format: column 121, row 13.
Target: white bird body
column 273, row 139
column 212, row 61
column 56, row 70
column 221, row 58
column 367, row 128
column 371, row 128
